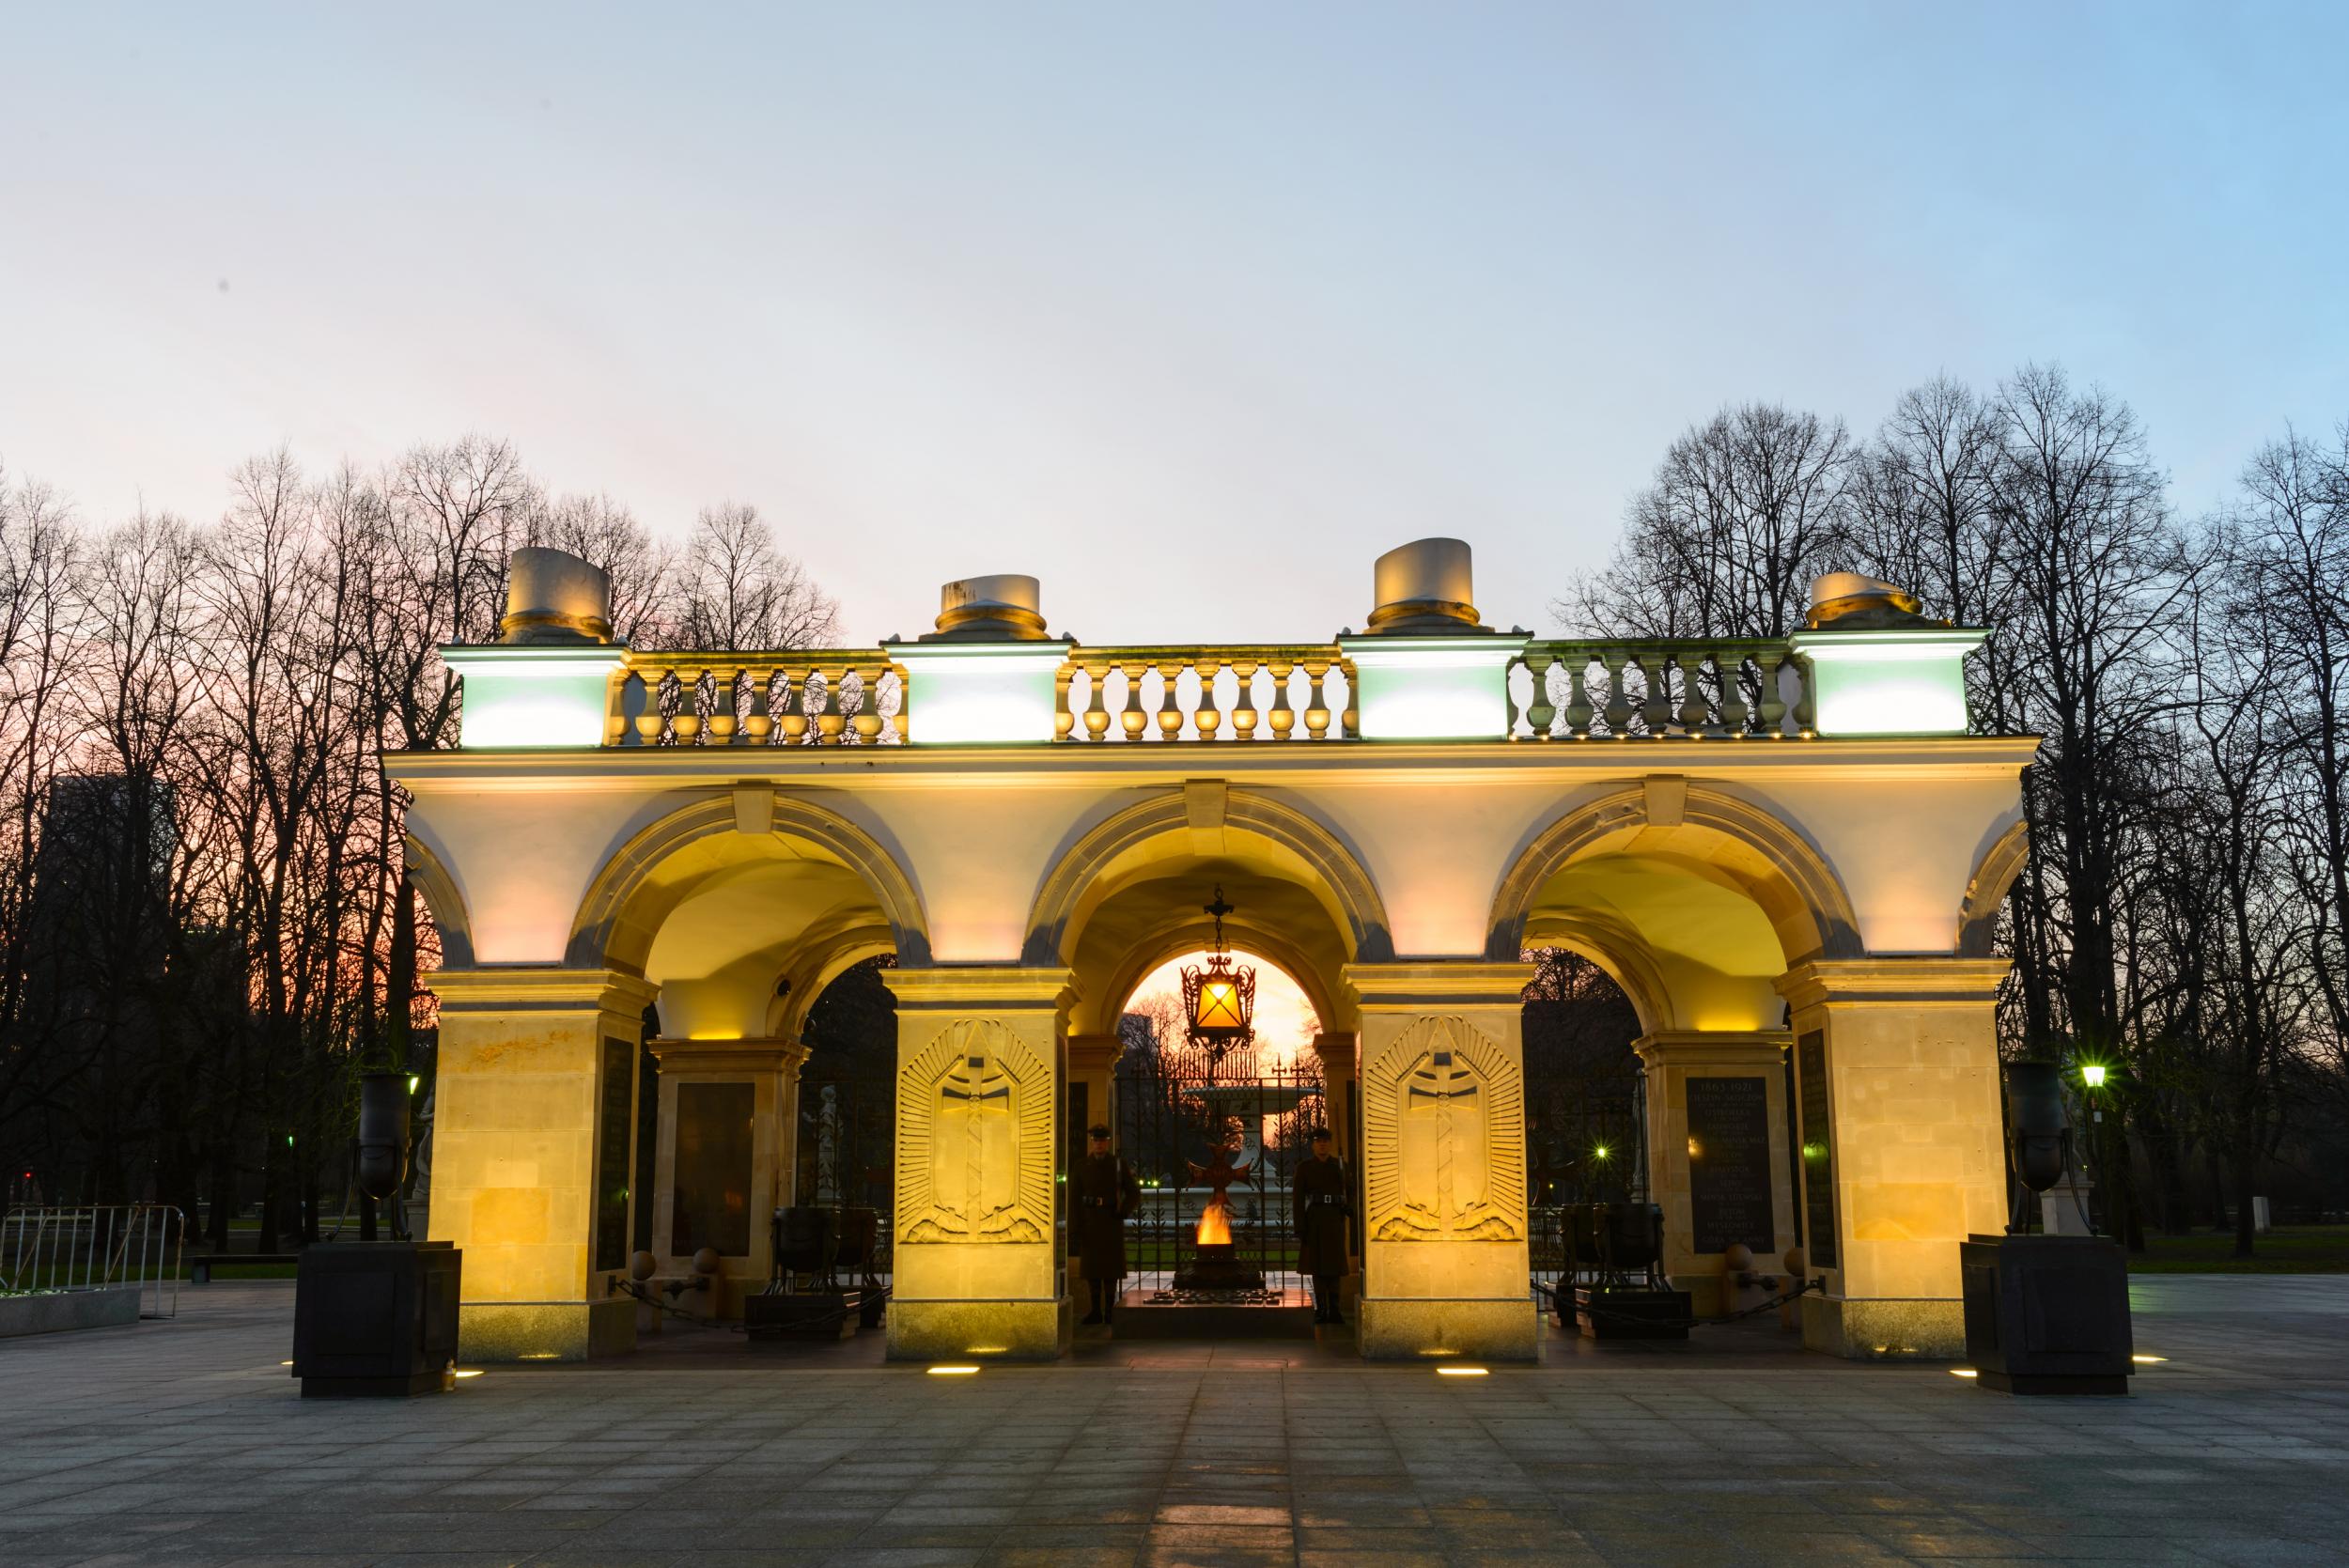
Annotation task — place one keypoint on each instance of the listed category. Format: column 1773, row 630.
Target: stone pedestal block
column 2047, row 1315
column 375, row 1317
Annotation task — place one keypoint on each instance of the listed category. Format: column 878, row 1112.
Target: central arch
column 1206, row 814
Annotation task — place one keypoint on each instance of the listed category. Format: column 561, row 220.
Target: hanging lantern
column 1220, row 1000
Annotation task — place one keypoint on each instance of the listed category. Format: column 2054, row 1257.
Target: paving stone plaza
column 186, row 1443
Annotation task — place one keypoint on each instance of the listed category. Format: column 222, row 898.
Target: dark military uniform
column 1322, row 1203
column 1103, row 1193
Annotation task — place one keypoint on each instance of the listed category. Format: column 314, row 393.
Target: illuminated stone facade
column 1030, row 826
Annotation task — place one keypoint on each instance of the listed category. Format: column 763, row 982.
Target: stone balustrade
column 1272, row 692
column 1751, row 689
column 830, row 697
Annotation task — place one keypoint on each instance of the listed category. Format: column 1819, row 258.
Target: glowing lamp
column 2092, row 1074
column 1220, row 1000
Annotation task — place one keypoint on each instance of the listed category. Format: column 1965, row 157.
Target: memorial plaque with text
column 615, row 1120
column 1818, row 1152
column 1729, row 1164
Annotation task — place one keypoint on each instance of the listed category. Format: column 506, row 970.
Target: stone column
column 533, row 1150
column 1896, row 1069
column 1340, row 1091
column 1442, row 1066
column 766, row 1072
column 1339, row 1086
column 1723, row 1177
column 978, row 1156
column 1092, row 1065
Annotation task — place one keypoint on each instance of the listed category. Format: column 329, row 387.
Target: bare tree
column 736, row 591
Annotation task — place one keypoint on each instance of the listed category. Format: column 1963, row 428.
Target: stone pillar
column 1723, row 1177
column 532, row 1151
column 1093, row 1066
column 702, row 1075
column 1896, row 1069
column 1443, row 1065
column 978, row 1156
column 1342, row 1090
column 1340, row 1087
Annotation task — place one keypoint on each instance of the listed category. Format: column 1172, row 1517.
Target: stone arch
column 596, row 939
column 1617, row 950
column 1986, row 890
column 442, row 897
column 1793, row 883
column 1208, row 806
column 823, row 957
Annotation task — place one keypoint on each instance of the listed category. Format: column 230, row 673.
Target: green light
column 290, row 1141
column 2092, row 1074
column 1600, row 1151
column 412, row 1081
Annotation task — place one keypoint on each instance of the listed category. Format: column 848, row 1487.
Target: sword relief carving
column 1448, row 1101
column 974, row 1111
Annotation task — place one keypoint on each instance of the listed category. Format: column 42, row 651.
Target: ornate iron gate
column 1585, row 1103
column 1171, row 1101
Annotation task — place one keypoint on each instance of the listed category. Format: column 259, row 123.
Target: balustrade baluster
column 1096, row 707
column 1694, row 711
column 829, row 722
column 1204, row 720
column 1773, row 697
column 1131, row 718
column 1731, row 664
column 640, row 707
column 1316, row 699
column 791, row 722
column 686, row 725
column 1658, row 710
column 867, row 722
column 1618, row 661
column 1540, row 712
column 1577, row 698
column 1806, row 699
column 1244, row 707
column 1063, row 717
column 1352, row 718
column 899, row 719
column 758, row 726
column 723, row 722
column 1282, row 718
column 1171, row 698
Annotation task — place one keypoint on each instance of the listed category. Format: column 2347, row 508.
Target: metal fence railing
column 97, row 1247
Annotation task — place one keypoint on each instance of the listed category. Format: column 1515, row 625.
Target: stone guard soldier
column 1103, row 1193
column 1322, row 1203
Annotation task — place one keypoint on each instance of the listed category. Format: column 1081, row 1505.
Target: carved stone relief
column 1443, row 1122
column 974, row 1138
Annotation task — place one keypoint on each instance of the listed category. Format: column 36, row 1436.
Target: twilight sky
column 1189, row 309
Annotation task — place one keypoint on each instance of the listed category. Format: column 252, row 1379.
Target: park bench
column 200, row 1269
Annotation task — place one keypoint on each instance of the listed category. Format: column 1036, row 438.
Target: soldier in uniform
column 1103, row 1191
column 1323, row 1204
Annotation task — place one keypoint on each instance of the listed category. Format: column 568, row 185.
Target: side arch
column 1796, row 887
column 1986, row 890
column 1617, row 951
column 431, row 878
column 596, row 926
column 1349, row 887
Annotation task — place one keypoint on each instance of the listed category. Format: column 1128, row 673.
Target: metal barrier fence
column 96, row 1246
